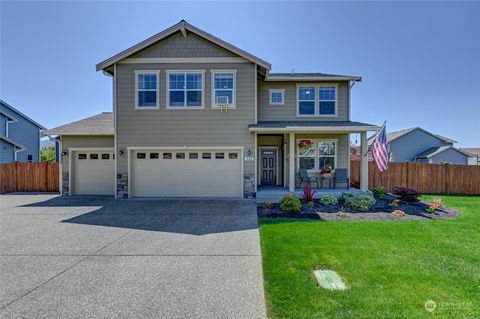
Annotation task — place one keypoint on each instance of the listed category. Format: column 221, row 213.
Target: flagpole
column 376, row 135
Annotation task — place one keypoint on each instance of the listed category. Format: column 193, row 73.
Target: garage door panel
column 93, row 176
column 186, row 177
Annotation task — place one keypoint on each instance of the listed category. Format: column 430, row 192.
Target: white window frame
column 140, row 72
column 270, row 91
column 234, row 94
column 316, row 141
column 317, row 86
column 185, row 107
column 335, row 114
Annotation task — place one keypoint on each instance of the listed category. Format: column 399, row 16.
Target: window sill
column 183, row 108
column 216, row 107
column 147, row 107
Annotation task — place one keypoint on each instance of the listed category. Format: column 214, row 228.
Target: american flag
column 379, row 149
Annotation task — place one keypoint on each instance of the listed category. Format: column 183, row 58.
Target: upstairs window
column 306, row 100
column 327, row 98
column 277, row 96
column 317, row 100
column 146, row 84
column 223, row 88
column 185, row 90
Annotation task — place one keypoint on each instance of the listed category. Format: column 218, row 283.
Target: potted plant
column 305, row 144
column 327, row 172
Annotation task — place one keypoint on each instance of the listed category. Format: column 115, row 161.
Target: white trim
column 175, row 148
column 70, row 172
column 114, row 107
column 234, row 94
column 305, row 129
column 184, row 60
column 255, row 166
column 317, row 155
column 130, row 149
column 256, row 95
column 167, row 88
column 157, row 105
column 270, row 91
column 60, row 165
column 284, row 145
column 312, row 78
column 316, row 104
column 90, row 149
column 276, row 161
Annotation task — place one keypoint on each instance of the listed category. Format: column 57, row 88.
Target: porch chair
column 303, row 176
column 341, row 176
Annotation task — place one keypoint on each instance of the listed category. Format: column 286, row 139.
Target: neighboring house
column 475, row 152
column 419, row 145
column 196, row 116
column 19, row 136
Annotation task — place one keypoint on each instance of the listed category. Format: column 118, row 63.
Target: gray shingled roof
column 10, row 141
column 100, row 124
column 437, row 150
column 285, row 124
column 310, row 76
column 396, row 134
column 471, row 150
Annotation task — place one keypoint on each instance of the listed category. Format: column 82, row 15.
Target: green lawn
column 391, row 268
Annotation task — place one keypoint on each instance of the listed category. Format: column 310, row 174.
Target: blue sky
column 420, row 61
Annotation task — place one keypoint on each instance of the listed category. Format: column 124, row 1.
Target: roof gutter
column 303, row 129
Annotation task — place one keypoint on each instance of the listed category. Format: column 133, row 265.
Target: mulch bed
column 382, row 211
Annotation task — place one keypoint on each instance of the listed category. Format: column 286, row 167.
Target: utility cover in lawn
column 329, row 279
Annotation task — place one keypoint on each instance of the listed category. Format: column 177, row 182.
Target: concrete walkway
column 104, row 258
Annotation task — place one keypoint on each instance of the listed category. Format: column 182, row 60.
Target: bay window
column 223, row 88
column 315, row 155
column 185, row 90
column 146, row 87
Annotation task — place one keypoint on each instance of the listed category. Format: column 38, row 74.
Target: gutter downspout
column 16, row 152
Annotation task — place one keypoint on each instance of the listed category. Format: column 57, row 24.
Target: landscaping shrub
column 408, row 195
column 328, row 200
column 310, row 204
column 362, row 203
column 290, row 203
column 379, row 191
column 268, row 205
column 346, row 196
column 395, row 203
column 308, row 193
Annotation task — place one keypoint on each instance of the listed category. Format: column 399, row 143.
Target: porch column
column 363, row 162
column 291, row 163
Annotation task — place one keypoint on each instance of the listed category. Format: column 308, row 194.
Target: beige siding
column 83, row 141
column 178, row 46
column 288, row 111
column 342, row 148
column 207, row 127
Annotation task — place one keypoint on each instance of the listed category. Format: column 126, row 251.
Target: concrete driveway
column 104, row 258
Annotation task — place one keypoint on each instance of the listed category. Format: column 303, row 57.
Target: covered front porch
column 284, row 149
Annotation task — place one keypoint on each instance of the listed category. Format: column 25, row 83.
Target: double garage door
column 180, row 173
column 93, row 172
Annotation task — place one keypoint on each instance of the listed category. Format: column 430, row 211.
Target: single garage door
column 94, row 173
column 203, row 173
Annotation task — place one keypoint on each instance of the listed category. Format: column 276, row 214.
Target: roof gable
column 184, row 28
column 18, row 113
column 392, row 136
column 100, row 124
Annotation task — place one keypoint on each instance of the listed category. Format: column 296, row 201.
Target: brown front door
column 269, row 166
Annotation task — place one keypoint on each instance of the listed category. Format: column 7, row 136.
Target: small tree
column 47, row 154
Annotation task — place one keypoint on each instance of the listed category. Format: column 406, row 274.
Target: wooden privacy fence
column 28, row 177
column 425, row 178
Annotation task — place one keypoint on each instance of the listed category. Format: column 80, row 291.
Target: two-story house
column 19, row 136
column 196, row 116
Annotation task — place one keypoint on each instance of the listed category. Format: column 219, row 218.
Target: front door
column 269, row 166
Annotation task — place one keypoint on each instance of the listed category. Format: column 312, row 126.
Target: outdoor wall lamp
column 120, row 152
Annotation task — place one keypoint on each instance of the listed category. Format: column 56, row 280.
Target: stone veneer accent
column 65, row 184
column 249, row 186
column 122, row 186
